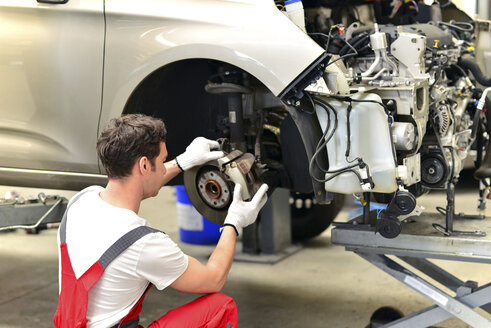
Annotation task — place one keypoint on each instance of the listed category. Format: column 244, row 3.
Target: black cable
column 326, row 104
column 350, row 46
column 348, row 126
column 353, row 42
column 438, row 75
column 349, row 99
column 311, row 102
column 323, row 140
column 455, row 25
column 342, row 57
column 328, row 37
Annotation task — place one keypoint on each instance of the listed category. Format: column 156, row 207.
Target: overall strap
column 123, row 243
column 63, row 220
column 72, row 309
column 92, row 275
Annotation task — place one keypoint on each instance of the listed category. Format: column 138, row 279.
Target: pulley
column 433, row 170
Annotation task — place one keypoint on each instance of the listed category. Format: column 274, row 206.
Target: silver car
column 68, row 66
column 216, row 68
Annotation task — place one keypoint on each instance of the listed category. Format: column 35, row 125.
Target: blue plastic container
column 194, row 228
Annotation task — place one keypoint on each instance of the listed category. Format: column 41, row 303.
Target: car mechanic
column 109, row 256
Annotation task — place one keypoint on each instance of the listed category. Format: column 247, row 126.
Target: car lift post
column 269, row 239
column 418, row 242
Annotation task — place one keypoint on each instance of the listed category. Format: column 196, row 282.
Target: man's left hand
column 199, row 151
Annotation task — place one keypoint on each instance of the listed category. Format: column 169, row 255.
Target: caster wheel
column 383, row 316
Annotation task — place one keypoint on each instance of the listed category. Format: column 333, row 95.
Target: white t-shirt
column 92, row 227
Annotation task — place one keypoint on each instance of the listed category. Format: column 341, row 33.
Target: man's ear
column 144, row 165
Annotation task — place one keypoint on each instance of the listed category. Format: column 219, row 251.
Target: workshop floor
column 320, row 286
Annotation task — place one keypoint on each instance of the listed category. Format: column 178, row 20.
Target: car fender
column 252, row 35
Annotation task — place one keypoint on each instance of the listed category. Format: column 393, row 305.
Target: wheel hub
column 213, row 187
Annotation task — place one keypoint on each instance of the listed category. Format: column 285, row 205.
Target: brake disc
column 210, row 187
column 210, row 191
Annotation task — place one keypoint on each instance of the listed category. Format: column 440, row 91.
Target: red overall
column 214, row 310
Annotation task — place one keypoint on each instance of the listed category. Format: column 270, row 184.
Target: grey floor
column 320, row 286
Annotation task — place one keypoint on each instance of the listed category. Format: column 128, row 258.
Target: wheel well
column 176, row 93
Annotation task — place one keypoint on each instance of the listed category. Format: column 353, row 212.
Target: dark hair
column 127, row 138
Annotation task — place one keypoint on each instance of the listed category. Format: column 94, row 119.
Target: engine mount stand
column 450, row 215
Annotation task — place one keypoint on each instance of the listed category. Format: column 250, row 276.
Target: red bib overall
column 210, row 311
column 73, row 300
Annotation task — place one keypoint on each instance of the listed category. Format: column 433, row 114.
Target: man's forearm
column 222, row 257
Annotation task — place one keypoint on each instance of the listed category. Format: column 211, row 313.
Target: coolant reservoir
column 370, row 140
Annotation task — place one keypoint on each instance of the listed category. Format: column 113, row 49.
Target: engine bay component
column 411, row 114
column 388, row 226
column 404, row 135
column 360, row 133
column 433, row 170
column 210, row 187
column 402, row 203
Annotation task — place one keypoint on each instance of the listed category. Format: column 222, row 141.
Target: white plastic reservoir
column 370, row 140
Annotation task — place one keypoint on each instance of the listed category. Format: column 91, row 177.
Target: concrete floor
column 320, row 286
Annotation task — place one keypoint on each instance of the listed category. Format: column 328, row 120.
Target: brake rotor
column 210, row 191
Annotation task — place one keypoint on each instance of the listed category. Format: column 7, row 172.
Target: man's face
column 156, row 178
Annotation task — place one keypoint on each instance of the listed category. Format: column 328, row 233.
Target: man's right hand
column 199, row 151
column 242, row 213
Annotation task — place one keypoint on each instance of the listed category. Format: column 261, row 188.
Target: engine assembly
column 389, row 112
column 399, row 113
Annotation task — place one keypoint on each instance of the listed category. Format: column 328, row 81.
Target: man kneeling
column 109, row 256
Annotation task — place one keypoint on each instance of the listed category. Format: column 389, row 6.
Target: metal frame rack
column 417, row 243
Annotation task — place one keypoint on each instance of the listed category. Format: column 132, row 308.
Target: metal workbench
column 417, row 243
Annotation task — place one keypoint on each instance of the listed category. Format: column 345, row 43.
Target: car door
column 51, row 64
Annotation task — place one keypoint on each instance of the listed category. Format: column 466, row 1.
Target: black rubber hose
column 476, row 71
column 354, row 41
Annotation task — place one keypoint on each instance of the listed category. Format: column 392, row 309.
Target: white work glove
column 242, row 213
column 199, row 152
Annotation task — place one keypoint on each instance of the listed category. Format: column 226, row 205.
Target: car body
column 68, row 67
column 235, row 69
